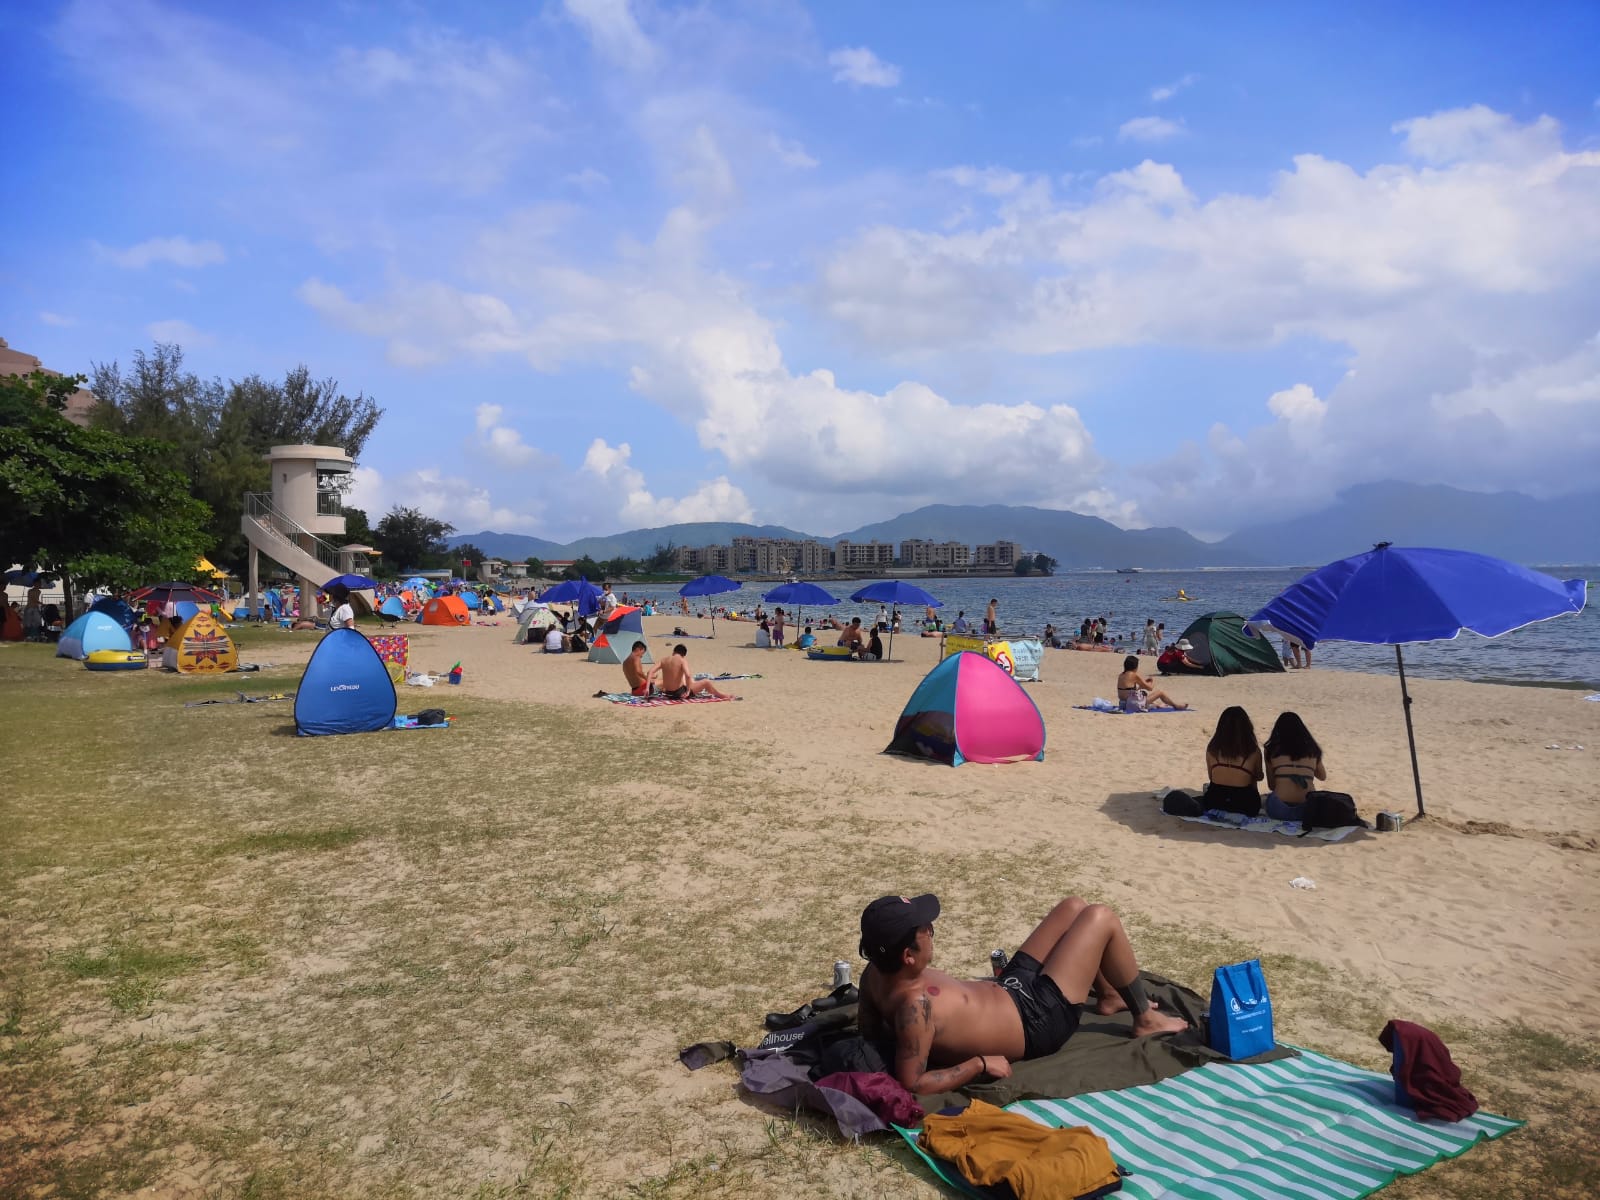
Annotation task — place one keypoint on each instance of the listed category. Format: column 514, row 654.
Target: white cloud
column 1479, row 134
column 460, row 502
column 56, row 319
column 588, row 180
column 1297, row 404
column 1149, row 129
column 791, row 153
column 716, row 500
column 181, row 332
column 1168, row 90
column 500, row 443
column 860, row 67
column 615, row 33
column 179, row 251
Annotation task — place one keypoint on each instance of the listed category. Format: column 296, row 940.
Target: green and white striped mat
column 1311, row 1127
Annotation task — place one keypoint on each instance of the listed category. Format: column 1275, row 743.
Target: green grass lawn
column 243, row 963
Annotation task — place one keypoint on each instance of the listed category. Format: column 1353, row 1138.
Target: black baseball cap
column 889, row 920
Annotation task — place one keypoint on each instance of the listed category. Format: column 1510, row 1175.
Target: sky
column 608, row 265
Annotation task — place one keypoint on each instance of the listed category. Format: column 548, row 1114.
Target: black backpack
column 1329, row 810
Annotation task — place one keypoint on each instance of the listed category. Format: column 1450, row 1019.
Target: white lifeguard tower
column 287, row 523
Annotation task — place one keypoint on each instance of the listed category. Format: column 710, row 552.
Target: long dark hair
column 1291, row 739
column 1235, row 738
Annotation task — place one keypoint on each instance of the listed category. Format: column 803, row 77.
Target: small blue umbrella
column 710, row 585
column 799, row 594
column 356, row 583
column 1396, row 594
column 895, row 591
column 579, row 591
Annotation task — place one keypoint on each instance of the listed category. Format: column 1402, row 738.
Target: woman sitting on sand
column 1294, row 762
column 1233, row 765
column 1137, row 693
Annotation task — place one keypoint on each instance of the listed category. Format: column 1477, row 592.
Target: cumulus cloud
column 1168, row 90
column 860, row 67
column 1149, row 129
column 1458, row 285
column 58, row 320
column 498, row 442
column 460, row 502
column 715, row 500
column 178, row 331
column 179, row 251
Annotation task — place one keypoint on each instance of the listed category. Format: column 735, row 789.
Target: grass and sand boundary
column 240, row 963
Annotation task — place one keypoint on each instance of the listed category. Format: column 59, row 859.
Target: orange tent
column 445, row 610
column 11, row 630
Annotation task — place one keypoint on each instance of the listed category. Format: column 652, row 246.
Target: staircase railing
column 259, row 507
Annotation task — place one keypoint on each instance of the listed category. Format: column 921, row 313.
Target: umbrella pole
column 890, row 658
column 1411, row 737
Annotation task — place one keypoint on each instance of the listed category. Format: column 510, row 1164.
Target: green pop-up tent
column 1222, row 647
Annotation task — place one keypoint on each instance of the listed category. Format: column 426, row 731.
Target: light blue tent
column 345, row 689
column 470, row 599
column 90, row 632
column 184, row 609
column 394, row 608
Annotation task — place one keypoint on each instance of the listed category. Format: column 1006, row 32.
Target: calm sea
column 1566, row 649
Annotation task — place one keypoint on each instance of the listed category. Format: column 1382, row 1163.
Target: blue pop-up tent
column 117, row 610
column 345, row 688
column 90, row 632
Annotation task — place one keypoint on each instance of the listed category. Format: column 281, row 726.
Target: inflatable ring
column 116, row 660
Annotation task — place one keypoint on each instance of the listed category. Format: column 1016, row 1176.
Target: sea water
column 1564, row 650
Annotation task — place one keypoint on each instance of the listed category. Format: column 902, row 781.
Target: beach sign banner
column 999, row 653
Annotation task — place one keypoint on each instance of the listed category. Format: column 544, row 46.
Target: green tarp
column 1222, row 646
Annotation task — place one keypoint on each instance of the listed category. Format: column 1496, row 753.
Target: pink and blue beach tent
column 969, row 709
column 90, row 632
column 346, row 688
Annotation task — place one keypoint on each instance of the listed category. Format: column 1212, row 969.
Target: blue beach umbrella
column 1396, row 594
column 356, row 583
column 799, row 594
column 577, row 591
column 710, row 585
column 895, row 592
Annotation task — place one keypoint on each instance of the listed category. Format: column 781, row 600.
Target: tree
column 587, row 567
column 356, row 530
column 464, row 554
column 662, row 559
column 218, row 434
column 1044, row 564
column 1024, row 564
column 536, row 568
column 407, row 536
column 618, row 566
column 92, row 506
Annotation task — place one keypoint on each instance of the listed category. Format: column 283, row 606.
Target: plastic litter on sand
column 1302, row 883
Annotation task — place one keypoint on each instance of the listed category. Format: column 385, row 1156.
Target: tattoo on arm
column 914, row 1031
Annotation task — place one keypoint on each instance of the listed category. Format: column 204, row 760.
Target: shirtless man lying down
column 950, row 1031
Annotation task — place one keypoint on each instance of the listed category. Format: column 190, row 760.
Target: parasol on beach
column 895, row 592
column 799, row 594
column 1395, row 594
column 710, row 585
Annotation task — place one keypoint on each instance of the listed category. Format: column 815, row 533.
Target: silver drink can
column 1390, row 822
column 841, row 973
column 997, row 962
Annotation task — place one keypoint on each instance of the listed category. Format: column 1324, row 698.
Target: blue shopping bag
column 1241, row 1011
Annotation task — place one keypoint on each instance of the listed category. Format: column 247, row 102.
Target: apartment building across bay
column 788, row 556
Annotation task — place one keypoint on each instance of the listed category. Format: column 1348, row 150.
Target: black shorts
column 1047, row 1019
column 678, row 693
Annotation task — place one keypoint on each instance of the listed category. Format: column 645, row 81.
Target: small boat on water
column 1129, row 570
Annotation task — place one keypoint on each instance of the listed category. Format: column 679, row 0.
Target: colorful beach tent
column 346, row 688
column 969, row 709
column 394, row 608
column 470, row 599
column 616, row 638
column 200, row 647
column 533, row 613
column 90, row 632
column 1222, row 646
column 445, row 610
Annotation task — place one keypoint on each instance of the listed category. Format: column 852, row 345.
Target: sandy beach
column 1489, row 902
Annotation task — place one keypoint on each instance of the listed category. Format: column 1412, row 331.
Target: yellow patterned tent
column 200, row 647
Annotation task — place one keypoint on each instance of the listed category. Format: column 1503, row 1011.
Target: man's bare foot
column 1113, row 1003
column 1151, row 1021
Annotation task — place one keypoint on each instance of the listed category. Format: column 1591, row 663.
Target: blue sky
column 608, row 265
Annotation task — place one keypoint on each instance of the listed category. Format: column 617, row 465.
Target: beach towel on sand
column 1294, row 829
column 633, row 701
column 1310, row 1127
column 1105, row 706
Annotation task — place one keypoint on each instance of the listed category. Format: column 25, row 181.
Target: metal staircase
column 287, row 542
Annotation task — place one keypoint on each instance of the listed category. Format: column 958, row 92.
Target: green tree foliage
column 536, row 568
column 408, row 537
column 218, row 434
column 1044, row 564
column 357, row 532
column 587, row 567
column 468, row 553
column 1023, row 565
column 613, row 567
column 662, row 559
column 95, row 507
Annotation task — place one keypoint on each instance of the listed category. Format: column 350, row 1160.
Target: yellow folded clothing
column 989, row 1145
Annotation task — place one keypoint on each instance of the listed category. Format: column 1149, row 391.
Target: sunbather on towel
column 966, row 1028
column 633, row 670
column 1138, row 693
column 678, row 683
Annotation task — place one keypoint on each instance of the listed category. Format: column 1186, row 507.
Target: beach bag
column 1329, row 810
column 1241, row 1011
column 430, row 716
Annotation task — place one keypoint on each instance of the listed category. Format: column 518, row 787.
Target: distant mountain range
column 1505, row 524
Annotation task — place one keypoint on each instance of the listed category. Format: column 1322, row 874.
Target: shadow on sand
column 1141, row 812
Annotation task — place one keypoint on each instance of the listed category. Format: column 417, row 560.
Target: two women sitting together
column 1235, row 763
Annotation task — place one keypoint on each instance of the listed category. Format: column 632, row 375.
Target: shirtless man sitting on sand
column 633, row 670
column 948, row 1031
column 854, row 637
column 677, row 683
